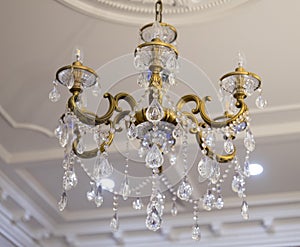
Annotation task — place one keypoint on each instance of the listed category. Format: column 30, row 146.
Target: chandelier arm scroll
column 92, row 153
column 90, row 118
column 127, row 97
column 215, row 124
column 211, row 154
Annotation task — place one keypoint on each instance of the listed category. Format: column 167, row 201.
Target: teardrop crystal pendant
column 153, row 220
column 208, row 201
column 196, row 233
column 137, row 204
column 249, row 141
column 64, row 136
column 184, row 190
column 142, row 80
column 63, row 201
column 102, row 168
column 228, row 146
column 98, row 198
column 219, row 203
column 260, row 102
column 70, row 82
column 90, row 195
column 132, row 132
column 174, row 210
column 244, row 210
column 247, row 168
column 204, row 167
column 125, row 188
column 158, row 205
column 54, row 94
column 69, row 180
column 114, row 223
column 155, row 112
column 216, row 172
column 154, row 158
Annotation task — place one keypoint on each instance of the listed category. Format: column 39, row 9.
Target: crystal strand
column 244, row 209
column 114, row 223
column 219, row 203
column 174, row 210
column 98, row 197
column 196, row 233
column 125, row 188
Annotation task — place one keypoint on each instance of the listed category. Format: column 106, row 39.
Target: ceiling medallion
column 178, row 12
column 158, row 125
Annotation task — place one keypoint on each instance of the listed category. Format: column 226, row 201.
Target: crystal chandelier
column 158, row 125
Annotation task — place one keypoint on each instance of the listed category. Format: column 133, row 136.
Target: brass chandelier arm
column 90, row 118
column 215, row 124
column 211, row 154
column 92, row 153
column 190, row 98
column 127, row 97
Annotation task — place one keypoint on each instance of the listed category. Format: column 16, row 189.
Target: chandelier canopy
column 159, row 126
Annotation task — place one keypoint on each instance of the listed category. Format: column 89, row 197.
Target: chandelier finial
column 158, row 11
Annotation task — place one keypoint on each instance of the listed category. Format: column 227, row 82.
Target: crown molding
column 179, row 12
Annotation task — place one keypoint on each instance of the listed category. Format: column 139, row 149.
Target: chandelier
column 159, row 127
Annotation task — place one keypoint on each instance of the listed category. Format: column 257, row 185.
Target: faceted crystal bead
column 54, row 95
column 178, row 131
column 142, row 80
column 219, row 203
column 125, row 188
column 90, row 195
column 154, row 158
column 172, row 63
column 249, row 141
column 132, row 132
column 153, row 220
column 210, row 139
column 114, row 223
column 158, row 205
column 244, row 210
column 204, row 167
column 260, row 102
column 64, row 137
column 238, row 183
column 208, row 201
column 58, row 130
column 247, row 168
column 63, row 201
column 155, row 112
column 171, row 79
column 157, row 31
column 174, row 210
column 216, row 172
column 69, row 180
column 196, row 233
column 70, row 82
column 228, row 146
column 98, row 198
column 137, row 204
column 102, row 168
column 184, row 190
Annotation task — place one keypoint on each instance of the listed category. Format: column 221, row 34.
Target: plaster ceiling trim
column 179, row 12
column 26, row 126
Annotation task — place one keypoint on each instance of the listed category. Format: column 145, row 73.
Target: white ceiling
column 37, row 37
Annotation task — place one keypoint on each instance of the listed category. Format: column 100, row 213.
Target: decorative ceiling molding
column 27, row 126
column 178, row 12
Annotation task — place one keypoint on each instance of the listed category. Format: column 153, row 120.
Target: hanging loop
column 158, row 11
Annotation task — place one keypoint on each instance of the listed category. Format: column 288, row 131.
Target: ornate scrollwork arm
column 90, row 118
column 91, row 153
column 127, row 97
column 211, row 154
column 230, row 118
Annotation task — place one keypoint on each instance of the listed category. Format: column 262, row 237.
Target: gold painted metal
column 90, row 118
column 220, row 158
column 157, row 42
